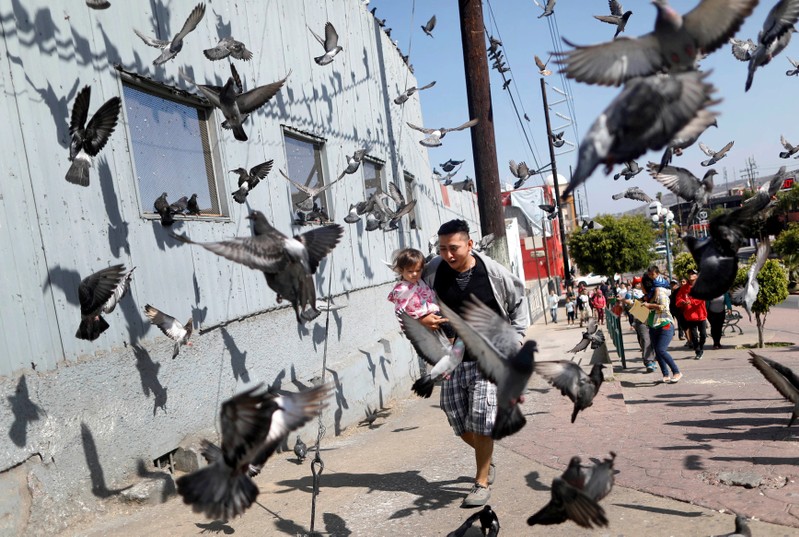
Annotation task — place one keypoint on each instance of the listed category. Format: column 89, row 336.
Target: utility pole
column 484, row 150
column 566, row 274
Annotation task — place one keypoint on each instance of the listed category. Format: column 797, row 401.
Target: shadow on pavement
column 660, row 510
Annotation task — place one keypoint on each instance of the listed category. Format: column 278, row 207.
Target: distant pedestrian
column 570, row 305
column 599, row 302
column 661, row 327
column 583, row 307
column 676, row 312
column 695, row 313
column 717, row 309
column 552, row 301
column 641, row 330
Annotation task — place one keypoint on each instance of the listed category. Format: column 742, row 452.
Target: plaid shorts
column 469, row 400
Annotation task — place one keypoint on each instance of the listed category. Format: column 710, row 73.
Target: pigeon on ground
column 592, row 336
column 450, row 165
column 549, row 8
column 569, row 501
column 171, row 328
column 782, row 378
column 489, row 523
column 618, row 17
column 746, row 295
column 98, row 4
column 428, row 28
column 496, row 346
column 253, row 423
column 647, row 114
column 630, row 170
column 405, row 95
column 742, row 50
column 193, row 208
column 790, row 150
column 434, row 349
column 88, row 139
column 557, row 138
column 164, row 210
column 228, row 46
column 308, row 203
column 685, row 184
column 633, row 193
column 715, row 156
column 573, row 382
column 774, row 37
column 795, row 70
column 741, row 528
column 96, row 293
column 171, row 48
column 300, row 449
column 330, row 43
column 249, row 180
column 434, row 136
column 672, row 46
column 542, row 66
column 287, row 263
column 353, row 162
column 688, row 136
column 180, row 206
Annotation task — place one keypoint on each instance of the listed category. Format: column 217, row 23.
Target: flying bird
column 542, row 67
column 557, row 138
column 618, row 17
column 308, row 203
column 228, row 46
column 404, row 96
column 686, row 185
column 774, row 37
column 428, row 28
column 446, row 180
column 795, row 70
column 434, row 136
column 249, row 180
column 287, row 263
column 496, row 346
column 449, row 165
column 489, row 523
column 549, row 8
column 520, row 171
column 119, row 292
column 746, row 295
column 464, row 186
column 672, row 46
column 434, row 349
column 550, row 209
column 742, row 50
column 352, row 216
column 300, row 449
column 171, row 48
column 171, row 328
column 782, row 378
column 630, row 170
column 330, row 43
column 573, row 382
column 98, row 4
column 688, row 135
column 647, row 114
column 790, row 150
column 633, row 193
column 253, row 423
column 590, row 225
column 715, row 156
column 592, row 336
column 353, row 162
column 193, row 208
column 99, row 293
column 89, row 138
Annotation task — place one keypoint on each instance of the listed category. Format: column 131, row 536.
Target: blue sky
column 754, row 120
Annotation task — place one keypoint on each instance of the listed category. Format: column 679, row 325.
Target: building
column 86, row 418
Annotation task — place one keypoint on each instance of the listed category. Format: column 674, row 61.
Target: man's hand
column 433, row 321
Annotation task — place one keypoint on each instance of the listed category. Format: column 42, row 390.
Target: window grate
column 166, row 461
column 372, row 177
column 304, row 163
column 412, row 217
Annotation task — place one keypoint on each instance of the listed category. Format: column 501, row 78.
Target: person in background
column 583, row 307
column 641, row 330
column 599, row 302
column 661, row 329
column 695, row 314
column 676, row 312
column 552, row 302
column 570, row 305
column 717, row 309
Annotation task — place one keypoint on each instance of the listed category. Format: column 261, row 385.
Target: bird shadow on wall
column 169, row 488
column 198, row 315
column 341, row 401
column 24, row 410
column 370, row 364
column 117, row 228
column 96, row 474
column 238, row 358
column 148, row 374
column 67, row 280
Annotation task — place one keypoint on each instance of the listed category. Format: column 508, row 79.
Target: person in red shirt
column 599, row 303
column 695, row 313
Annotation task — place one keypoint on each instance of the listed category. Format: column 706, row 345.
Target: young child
column 411, row 294
column 570, row 310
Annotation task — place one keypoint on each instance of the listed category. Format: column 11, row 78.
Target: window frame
column 383, row 179
column 319, row 145
column 409, row 181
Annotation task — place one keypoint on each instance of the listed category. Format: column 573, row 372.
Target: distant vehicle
column 590, row 279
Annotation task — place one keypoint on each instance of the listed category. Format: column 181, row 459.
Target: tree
column 683, row 262
column 773, row 281
column 622, row 245
column 787, row 247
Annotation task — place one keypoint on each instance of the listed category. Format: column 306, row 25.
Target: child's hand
column 433, row 321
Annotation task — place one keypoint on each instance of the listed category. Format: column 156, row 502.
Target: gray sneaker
column 477, row 497
column 492, row 473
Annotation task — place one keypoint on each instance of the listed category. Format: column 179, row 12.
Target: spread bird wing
column 260, row 253
column 592, row 327
column 540, row 64
column 261, row 170
column 491, row 326
column 611, row 63
column 726, row 148
column 581, row 346
column 783, row 141
column 514, row 168
column 786, row 388
column 421, row 129
column 302, row 188
column 564, row 375
column 255, row 98
column 712, row 22
column 331, row 37
column 610, row 19
column 153, row 42
column 395, row 194
column 635, row 193
column 319, row 242
column 192, row 21
column 293, row 410
column 468, row 124
column 80, row 109
column 615, row 8
column 428, row 86
column 317, row 36
column 166, row 323
column 678, row 180
column 101, row 125
column 706, row 150
column 245, row 421
column 95, row 290
column 431, row 346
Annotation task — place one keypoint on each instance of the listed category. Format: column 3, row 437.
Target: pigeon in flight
column 300, row 449
column 685, row 184
column 795, row 70
column 354, row 162
column 389, row 220
column 100, row 293
column 489, row 523
column 496, row 346
column 672, row 46
column 434, row 349
column 557, row 138
column 434, row 136
column 715, row 156
column 404, row 96
column 747, row 294
column 572, row 381
column 647, row 114
column 192, row 207
column 520, row 171
column 89, row 138
column 446, row 180
column 790, row 150
column 782, row 378
column 633, row 193
column 171, row 48
column 119, row 292
column 742, row 50
column 774, row 37
column 449, row 165
column 688, row 135
column 550, row 209
column 630, row 170
column 287, row 263
column 228, row 46
column 171, row 328
column 428, row 28
column 590, row 225
column 312, row 192
column 98, row 4
column 618, row 17
column 542, row 67
column 549, row 8
column 254, row 424
column 464, row 186
column 352, row 216
column 592, row 336
column 330, row 42
column 249, row 180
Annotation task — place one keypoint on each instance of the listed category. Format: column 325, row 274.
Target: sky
column 754, row 120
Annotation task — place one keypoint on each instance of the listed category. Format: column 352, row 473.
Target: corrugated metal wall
column 53, row 234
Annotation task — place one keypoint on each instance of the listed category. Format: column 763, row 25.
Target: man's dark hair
column 454, row 226
column 654, row 268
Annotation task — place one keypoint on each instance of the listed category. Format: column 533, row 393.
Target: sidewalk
column 408, row 474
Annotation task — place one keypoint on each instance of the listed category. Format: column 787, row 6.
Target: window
column 304, row 163
column 408, row 197
column 372, row 177
column 172, row 148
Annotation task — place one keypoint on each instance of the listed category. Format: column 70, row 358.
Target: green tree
column 622, row 245
column 789, row 200
column 773, row 281
column 683, row 262
column 787, row 247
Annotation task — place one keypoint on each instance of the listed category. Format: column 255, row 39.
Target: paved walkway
column 408, row 474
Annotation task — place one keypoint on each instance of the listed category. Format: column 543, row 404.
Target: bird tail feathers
column 424, row 386
column 508, row 422
column 238, row 133
column 784, row 154
column 90, row 329
column 240, row 196
column 78, row 173
column 176, row 350
column 218, row 492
